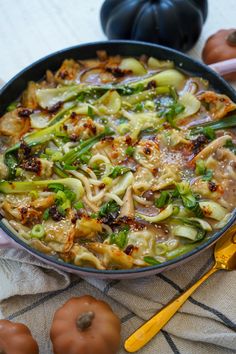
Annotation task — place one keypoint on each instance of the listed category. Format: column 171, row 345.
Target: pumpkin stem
column 231, row 39
column 85, row 320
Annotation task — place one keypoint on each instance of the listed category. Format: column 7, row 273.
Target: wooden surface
column 30, row 29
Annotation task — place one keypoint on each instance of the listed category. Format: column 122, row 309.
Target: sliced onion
column 92, row 75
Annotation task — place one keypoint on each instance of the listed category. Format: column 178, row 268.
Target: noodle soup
column 117, row 163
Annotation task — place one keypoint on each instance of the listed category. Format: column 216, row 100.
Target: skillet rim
column 180, row 60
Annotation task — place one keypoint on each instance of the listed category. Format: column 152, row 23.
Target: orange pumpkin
column 221, row 46
column 85, row 325
column 16, row 338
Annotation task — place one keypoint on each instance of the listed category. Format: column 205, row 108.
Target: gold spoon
column 225, row 258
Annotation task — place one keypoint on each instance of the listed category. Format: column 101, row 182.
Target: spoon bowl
column 225, row 251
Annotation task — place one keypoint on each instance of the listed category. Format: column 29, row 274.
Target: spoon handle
column 146, row 332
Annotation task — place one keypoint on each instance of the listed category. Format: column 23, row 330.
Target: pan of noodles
column 117, row 159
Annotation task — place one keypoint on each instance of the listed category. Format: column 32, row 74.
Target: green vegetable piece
column 189, row 201
column 66, row 205
column 12, row 106
column 47, row 98
column 120, row 238
column 55, row 187
column 171, row 112
column 46, row 214
column 70, row 167
column 23, row 187
column 129, row 151
column 84, row 147
column 209, row 133
column 119, row 171
column 61, row 210
column 195, row 222
column 108, row 208
column 180, row 250
column 60, row 197
column 183, row 188
column 139, row 107
column 11, row 162
column 59, row 171
column 79, row 205
column 176, row 210
column 57, row 156
column 170, row 77
column 231, row 146
column 189, row 232
column 213, row 210
column 190, row 103
column 85, row 157
column 37, row 137
column 230, row 122
column 90, row 112
column 163, row 200
column 37, row 231
column 208, row 175
column 151, row 260
column 70, row 195
column 200, row 167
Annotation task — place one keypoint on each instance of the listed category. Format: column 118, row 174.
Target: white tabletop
column 30, row 29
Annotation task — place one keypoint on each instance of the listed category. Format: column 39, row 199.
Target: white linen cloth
column 31, row 291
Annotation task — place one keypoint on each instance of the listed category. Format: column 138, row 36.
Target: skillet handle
column 224, row 67
column 5, row 241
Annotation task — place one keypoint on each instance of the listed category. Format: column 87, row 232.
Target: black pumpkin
column 173, row 23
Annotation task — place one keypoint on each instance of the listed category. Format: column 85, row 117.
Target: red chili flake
column 128, row 140
column 55, row 107
column 23, row 210
column 24, row 113
column 199, row 143
column 117, row 72
column 151, row 84
column 147, row 150
column 55, row 214
column 32, row 164
column 73, row 115
column 24, row 149
column 63, row 74
column 107, row 138
column 212, row 186
column 93, row 129
column 73, row 137
column 129, row 249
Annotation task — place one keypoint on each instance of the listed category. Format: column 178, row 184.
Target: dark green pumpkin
column 173, row 23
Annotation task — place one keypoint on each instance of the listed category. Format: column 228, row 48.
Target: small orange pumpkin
column 85, row 325
column 221, row 46
column 16, row 338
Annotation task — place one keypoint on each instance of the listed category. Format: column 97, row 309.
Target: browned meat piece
column 217, row 105
column 14, row 125
column 68, row 71
column 29, row 99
